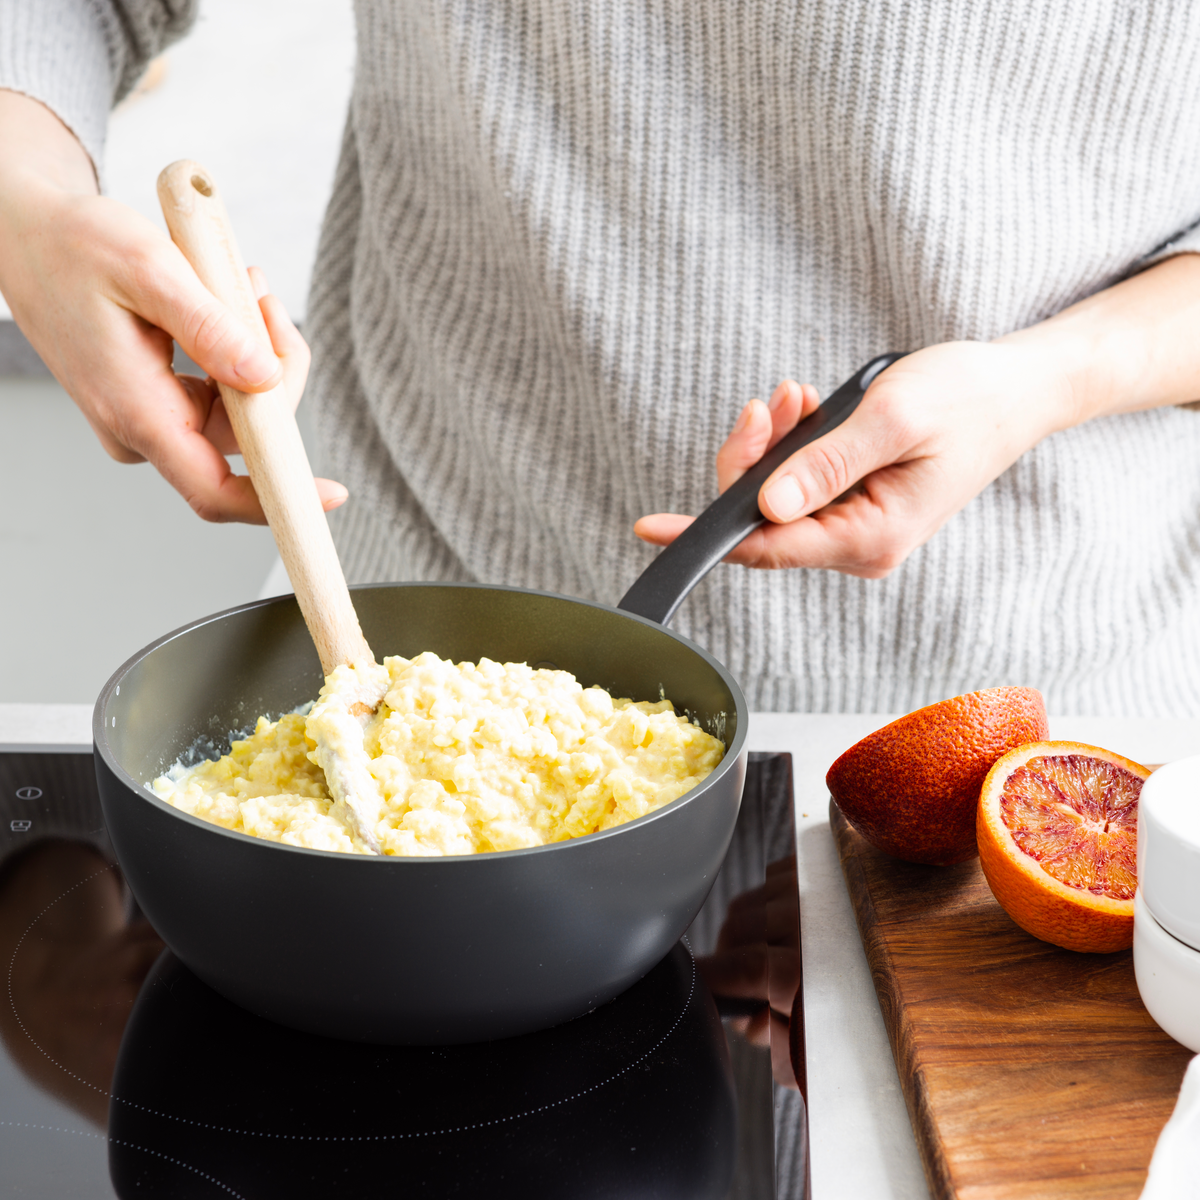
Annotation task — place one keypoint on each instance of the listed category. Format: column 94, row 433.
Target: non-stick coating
column 411, row 949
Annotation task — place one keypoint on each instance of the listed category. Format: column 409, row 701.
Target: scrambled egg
column 457, row 759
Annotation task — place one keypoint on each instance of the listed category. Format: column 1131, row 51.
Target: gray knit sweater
column 568, row 241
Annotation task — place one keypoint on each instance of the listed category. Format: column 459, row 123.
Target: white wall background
column 98, row 559
column 257, row 92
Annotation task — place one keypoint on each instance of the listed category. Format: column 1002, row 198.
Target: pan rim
column 734, row 751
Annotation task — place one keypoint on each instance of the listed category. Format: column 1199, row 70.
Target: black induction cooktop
column 121, row 1074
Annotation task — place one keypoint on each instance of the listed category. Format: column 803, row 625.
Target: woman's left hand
column 939, row 425
column 930, row 434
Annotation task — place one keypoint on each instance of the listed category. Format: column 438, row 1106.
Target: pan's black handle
column 663, row 585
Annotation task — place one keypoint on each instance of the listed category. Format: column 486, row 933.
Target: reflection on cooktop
column 663, row 1092
column 634, row 1099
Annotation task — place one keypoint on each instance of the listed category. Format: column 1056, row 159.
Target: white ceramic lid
column 1168, row 848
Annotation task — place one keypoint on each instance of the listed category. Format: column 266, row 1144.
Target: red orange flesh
column 1057, row 832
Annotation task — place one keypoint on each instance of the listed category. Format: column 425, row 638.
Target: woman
column 565, row 245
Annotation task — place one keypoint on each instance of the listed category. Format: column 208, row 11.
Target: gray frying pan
column 433, row 950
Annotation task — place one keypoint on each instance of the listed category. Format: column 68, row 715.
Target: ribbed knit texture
column 567, row 242
column 79, row 57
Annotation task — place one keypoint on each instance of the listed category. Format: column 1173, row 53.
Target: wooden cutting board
column 1028, row 1071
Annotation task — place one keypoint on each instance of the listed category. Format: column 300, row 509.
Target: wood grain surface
column 1028, row 1071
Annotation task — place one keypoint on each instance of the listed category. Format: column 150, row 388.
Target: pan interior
column 220, row 674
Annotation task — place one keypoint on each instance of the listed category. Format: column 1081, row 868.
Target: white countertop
column 862, row 1143
column 68, row 726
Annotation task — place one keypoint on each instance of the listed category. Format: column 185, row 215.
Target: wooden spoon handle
column 265, row 425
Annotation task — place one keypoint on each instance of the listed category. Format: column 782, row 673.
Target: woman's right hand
column 100, row 293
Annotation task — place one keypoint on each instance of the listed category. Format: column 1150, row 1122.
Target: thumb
column 210, row 332
column 821, row 472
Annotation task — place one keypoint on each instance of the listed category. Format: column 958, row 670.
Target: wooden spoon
column 269, row 439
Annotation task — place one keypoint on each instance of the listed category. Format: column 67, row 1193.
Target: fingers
column 159, row 285
column 215, row 493
column 189, row 448
column 210, row 412
column 868, row 533
column 333, row 494
column 103, row 294
column 877, row 434
column 295, row 358
column 932, row 431
column 115, row 449
column 290, row 348
column 258, row 282
column 746, row 444
column 790, row 403
column 180, row 425
column 188, row 442
column 291, row 351
column 759, row 426
column 199, row 472
column 661, row 529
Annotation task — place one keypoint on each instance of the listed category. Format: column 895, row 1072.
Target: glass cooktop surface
column 121, row 1074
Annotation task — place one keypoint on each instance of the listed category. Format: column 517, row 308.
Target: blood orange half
column 912, row 787
column 1057, row 834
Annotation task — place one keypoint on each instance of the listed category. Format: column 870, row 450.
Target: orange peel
column 912, row 787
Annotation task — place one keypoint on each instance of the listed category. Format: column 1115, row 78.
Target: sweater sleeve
column 1186, row 241
column 79, row 57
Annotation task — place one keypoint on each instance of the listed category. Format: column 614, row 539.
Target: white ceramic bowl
column 1168, row 848
column 1168, row 976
